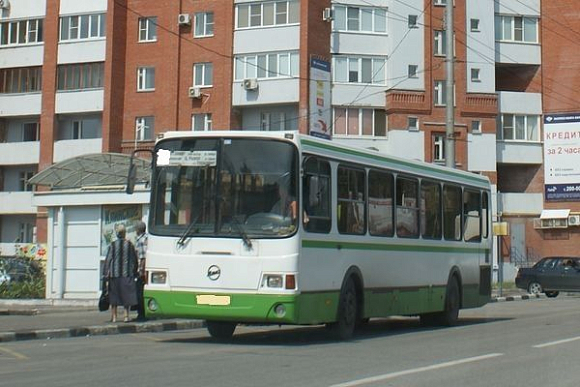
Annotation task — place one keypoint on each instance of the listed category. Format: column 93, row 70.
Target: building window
column 26, row 232
column 20, row 80
column 439, row 43
column 24, row 176
column 144, row 128
column 203, row 75
column 203, row 24
column 83, row 27
column 439, row 2
column 265, row 14
column 21, row 32
column 518, row 127
column 359, row 122
column 413, row 124
column 275, row 65
column 475, row 75
column 77, row 127
column 273, row 121
column 80, row 76
column 359, row 70
column 412, row 71
column 30, row 131
column 147, row 29
column 474, row 25
column 476, row 126
column 438, row 147
column 439, row 93
column 516, row 29
column 145, row 78
column 201, row 122
column 412, row 21
column 359, row 19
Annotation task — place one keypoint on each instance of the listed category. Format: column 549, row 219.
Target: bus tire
column 450, row 314
column 347, row 314
column 221, row 330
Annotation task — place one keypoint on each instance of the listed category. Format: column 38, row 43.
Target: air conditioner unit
column 184, row 19
column 250, row 84
column 574, row 220
column 327, row 14
column 4, row 4
column 194, row 92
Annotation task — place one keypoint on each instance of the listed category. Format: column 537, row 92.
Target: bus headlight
column 152, row 305
column 158, row 277
column 272, row 281
column 280, row 310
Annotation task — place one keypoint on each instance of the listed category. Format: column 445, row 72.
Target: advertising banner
column 562, row 157
column 320, row 104
column 112, row 215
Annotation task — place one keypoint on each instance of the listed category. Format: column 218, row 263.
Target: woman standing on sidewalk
column 121, row 272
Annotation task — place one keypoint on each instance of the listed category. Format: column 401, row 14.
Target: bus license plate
column 210, row 299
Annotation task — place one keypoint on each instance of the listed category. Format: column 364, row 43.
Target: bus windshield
column 224, row 187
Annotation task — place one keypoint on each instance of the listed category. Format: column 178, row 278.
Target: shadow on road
column 261, row 335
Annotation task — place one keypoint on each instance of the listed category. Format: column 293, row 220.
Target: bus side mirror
column 131, row 178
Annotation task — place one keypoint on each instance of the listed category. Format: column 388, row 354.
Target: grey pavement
column 46, row 319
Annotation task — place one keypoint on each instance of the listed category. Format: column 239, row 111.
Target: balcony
column 282, row 38
column 13, row 202
column 80, row 101
column 82, row 51
column 26, row 55
column 65, row 149
column 519, row 152
column 19, row 153
column 520, row 103
column 366, row 95
column 518, row 53
column 27, row 104
column 267, row 92
column 480, row 105
column 520, row 203
column 399, row 101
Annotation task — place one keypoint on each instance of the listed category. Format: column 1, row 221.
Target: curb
column 517, row 298
column 100, row 330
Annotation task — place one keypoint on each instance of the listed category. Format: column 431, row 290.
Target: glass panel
column 22, row 32
column 431, row 210
column 472, row 216
column 150, row 78
column 281, row 12
column 198, row 70
column 294, row 64
column 352, row 15
column 353, row 122
column 255, row 15
column 339, row 21
column 152, row 28
column 353, row 64
column 367, row 122
column 239, row 68
column 272, row 65
column 407, row 207
column 533, row 134
column 84, row 33
column 94, row 26
column 208, row 74
column 380, row 203
column 498, row 27
column 293, row 11
column 251, row 67
column 199, row 24
column 283, row 65
column 507, row 28
column 243, row 16
column 351, row 201
column 520, row 128
column 268, row 14
column 530, row 29
column 508, row 127
column 452, row 212
column 317, row 194
column 380, row 20
column 366, row 19
column 379, row 71
column 103, row 25
column 340, row 69
column 366, row 70
column 209, row 23
column 262, row 66
column 380, row 123
column 518, row 29
column 339, row 121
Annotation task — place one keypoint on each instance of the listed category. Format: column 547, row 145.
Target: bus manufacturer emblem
column 214, row 272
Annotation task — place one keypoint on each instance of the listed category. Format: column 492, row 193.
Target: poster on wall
column 112, row 215
column 562, row 157
column 320, row 104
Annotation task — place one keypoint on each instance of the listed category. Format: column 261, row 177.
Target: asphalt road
column 528, row 343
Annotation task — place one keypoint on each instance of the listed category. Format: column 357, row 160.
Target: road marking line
column 433, row 367
column 13, row 353
column 557, row 342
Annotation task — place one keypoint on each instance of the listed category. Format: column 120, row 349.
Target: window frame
column 11, row 34
column 208, row 27
column 207, row 122
column 376, row 117
column 354, row 18
column 147, row 29
column 140, row 133
column 257, row 66
column 145, row 76
column 256, row 10
column 205, row 69
column 514, row 127
column 320, row 223
column 65, row 22
column 356, row 64
column 438, row 149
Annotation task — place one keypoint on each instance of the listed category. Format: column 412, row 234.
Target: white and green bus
column 284, row 228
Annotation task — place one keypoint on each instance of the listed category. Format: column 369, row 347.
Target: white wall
column 251, row 117
column 26, row 9
column 480, row 155
column 74, row 7
column 82, row 51
column 481, row 45
column 20, row 104
column 267, row 39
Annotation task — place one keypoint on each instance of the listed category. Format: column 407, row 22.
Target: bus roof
column 329, row 148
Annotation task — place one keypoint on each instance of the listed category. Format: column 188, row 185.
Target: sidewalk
column 48, row 319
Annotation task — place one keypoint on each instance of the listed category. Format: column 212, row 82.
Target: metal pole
column 450, row 81
column 61, row 253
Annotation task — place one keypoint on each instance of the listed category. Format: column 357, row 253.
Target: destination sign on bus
column 187, row 158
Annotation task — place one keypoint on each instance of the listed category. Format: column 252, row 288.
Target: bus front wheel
column 222, row 330
column 343, row 328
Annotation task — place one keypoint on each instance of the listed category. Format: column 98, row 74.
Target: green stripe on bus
column 391, row 247
column 354, row 152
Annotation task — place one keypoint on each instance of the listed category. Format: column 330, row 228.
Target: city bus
column 285, row 228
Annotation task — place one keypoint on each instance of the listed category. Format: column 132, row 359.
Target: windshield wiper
column 185, row 234
column 242, row 232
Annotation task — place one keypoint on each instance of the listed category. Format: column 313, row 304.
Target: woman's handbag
column 104, row 299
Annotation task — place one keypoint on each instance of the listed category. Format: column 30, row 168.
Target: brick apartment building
column 90, row 76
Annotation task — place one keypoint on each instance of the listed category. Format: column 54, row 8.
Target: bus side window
column 452, row 212
column 351, row 201
column 472, row 215
column 316, row 195
column 430, row 210
column 407, row 214
column 380, row 204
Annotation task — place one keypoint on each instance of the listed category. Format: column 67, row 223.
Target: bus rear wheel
column 343, row 328
column 222, row 330
column 449, row 315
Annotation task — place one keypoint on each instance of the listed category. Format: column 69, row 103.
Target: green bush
column 28, row 281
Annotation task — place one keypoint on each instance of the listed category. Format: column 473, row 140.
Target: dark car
column 551, row 275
